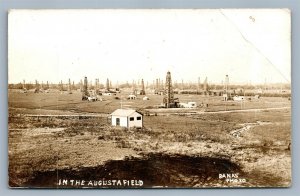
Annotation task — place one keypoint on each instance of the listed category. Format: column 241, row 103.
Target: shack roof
column 123, row 112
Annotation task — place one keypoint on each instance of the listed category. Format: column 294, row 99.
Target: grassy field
column 56, row 100
column 259, row 153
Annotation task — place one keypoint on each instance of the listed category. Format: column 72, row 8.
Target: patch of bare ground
column 155, row 170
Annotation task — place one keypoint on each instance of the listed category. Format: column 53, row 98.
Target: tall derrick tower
column 24, row 84
column 61, row 86
column 143, row 88
column 226, row 85
column 97, row 86
column 37, row 87
column 169, row 94
column 199, row 84
column 69, row 87
column 85, row 92
column 81, row 85
column 205, row 85
column 107, row 85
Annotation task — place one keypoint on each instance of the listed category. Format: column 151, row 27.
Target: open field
column 72, row 102
column 186, row 147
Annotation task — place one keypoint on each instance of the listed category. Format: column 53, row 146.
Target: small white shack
column 190, row 104
column 238, row 98
column 126, row 118
column 131, row 97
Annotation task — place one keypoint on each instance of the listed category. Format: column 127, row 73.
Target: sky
column 250, row 45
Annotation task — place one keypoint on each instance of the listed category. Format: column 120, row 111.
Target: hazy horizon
column 130, row 82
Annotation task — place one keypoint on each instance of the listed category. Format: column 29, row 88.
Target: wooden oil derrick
column 143, row 88
column 169, row 100
column 81, row 86
column 37, row 87
column 91, row 85
column 61, row 86
column 205, row 85
column 97, row 86
column 226, row 84
column 24, row 85
column 199, row 84
column 156, row 87
column 134, row 91
column 85, row 92
column 226, row 95
column 69, row 87
column 107, row 84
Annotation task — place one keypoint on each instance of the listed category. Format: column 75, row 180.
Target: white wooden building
column 238, row 98
column 132, row 97
column 126, row 118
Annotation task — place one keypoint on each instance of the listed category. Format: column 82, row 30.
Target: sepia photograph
column 149, row 98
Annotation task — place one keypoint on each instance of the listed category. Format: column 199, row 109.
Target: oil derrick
column 143, row 88
column 153, row 84
column 205, row 85
column 199, row 84
column 96, row 83
column 61, row 86
column 226, row 84
column 81, row 86
column 73, row 86
column 97, row 86
column 159, row 84
column 91, row 85
column 118, row 87
column 227, row 95
column 107, row 84
column 265, row 85
column 37, row 87
column 169, row 100
column 69, row 87
column 133, row 88
column 24, row 85
column 47, row 85
column 85, row 93
column 156, row 87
